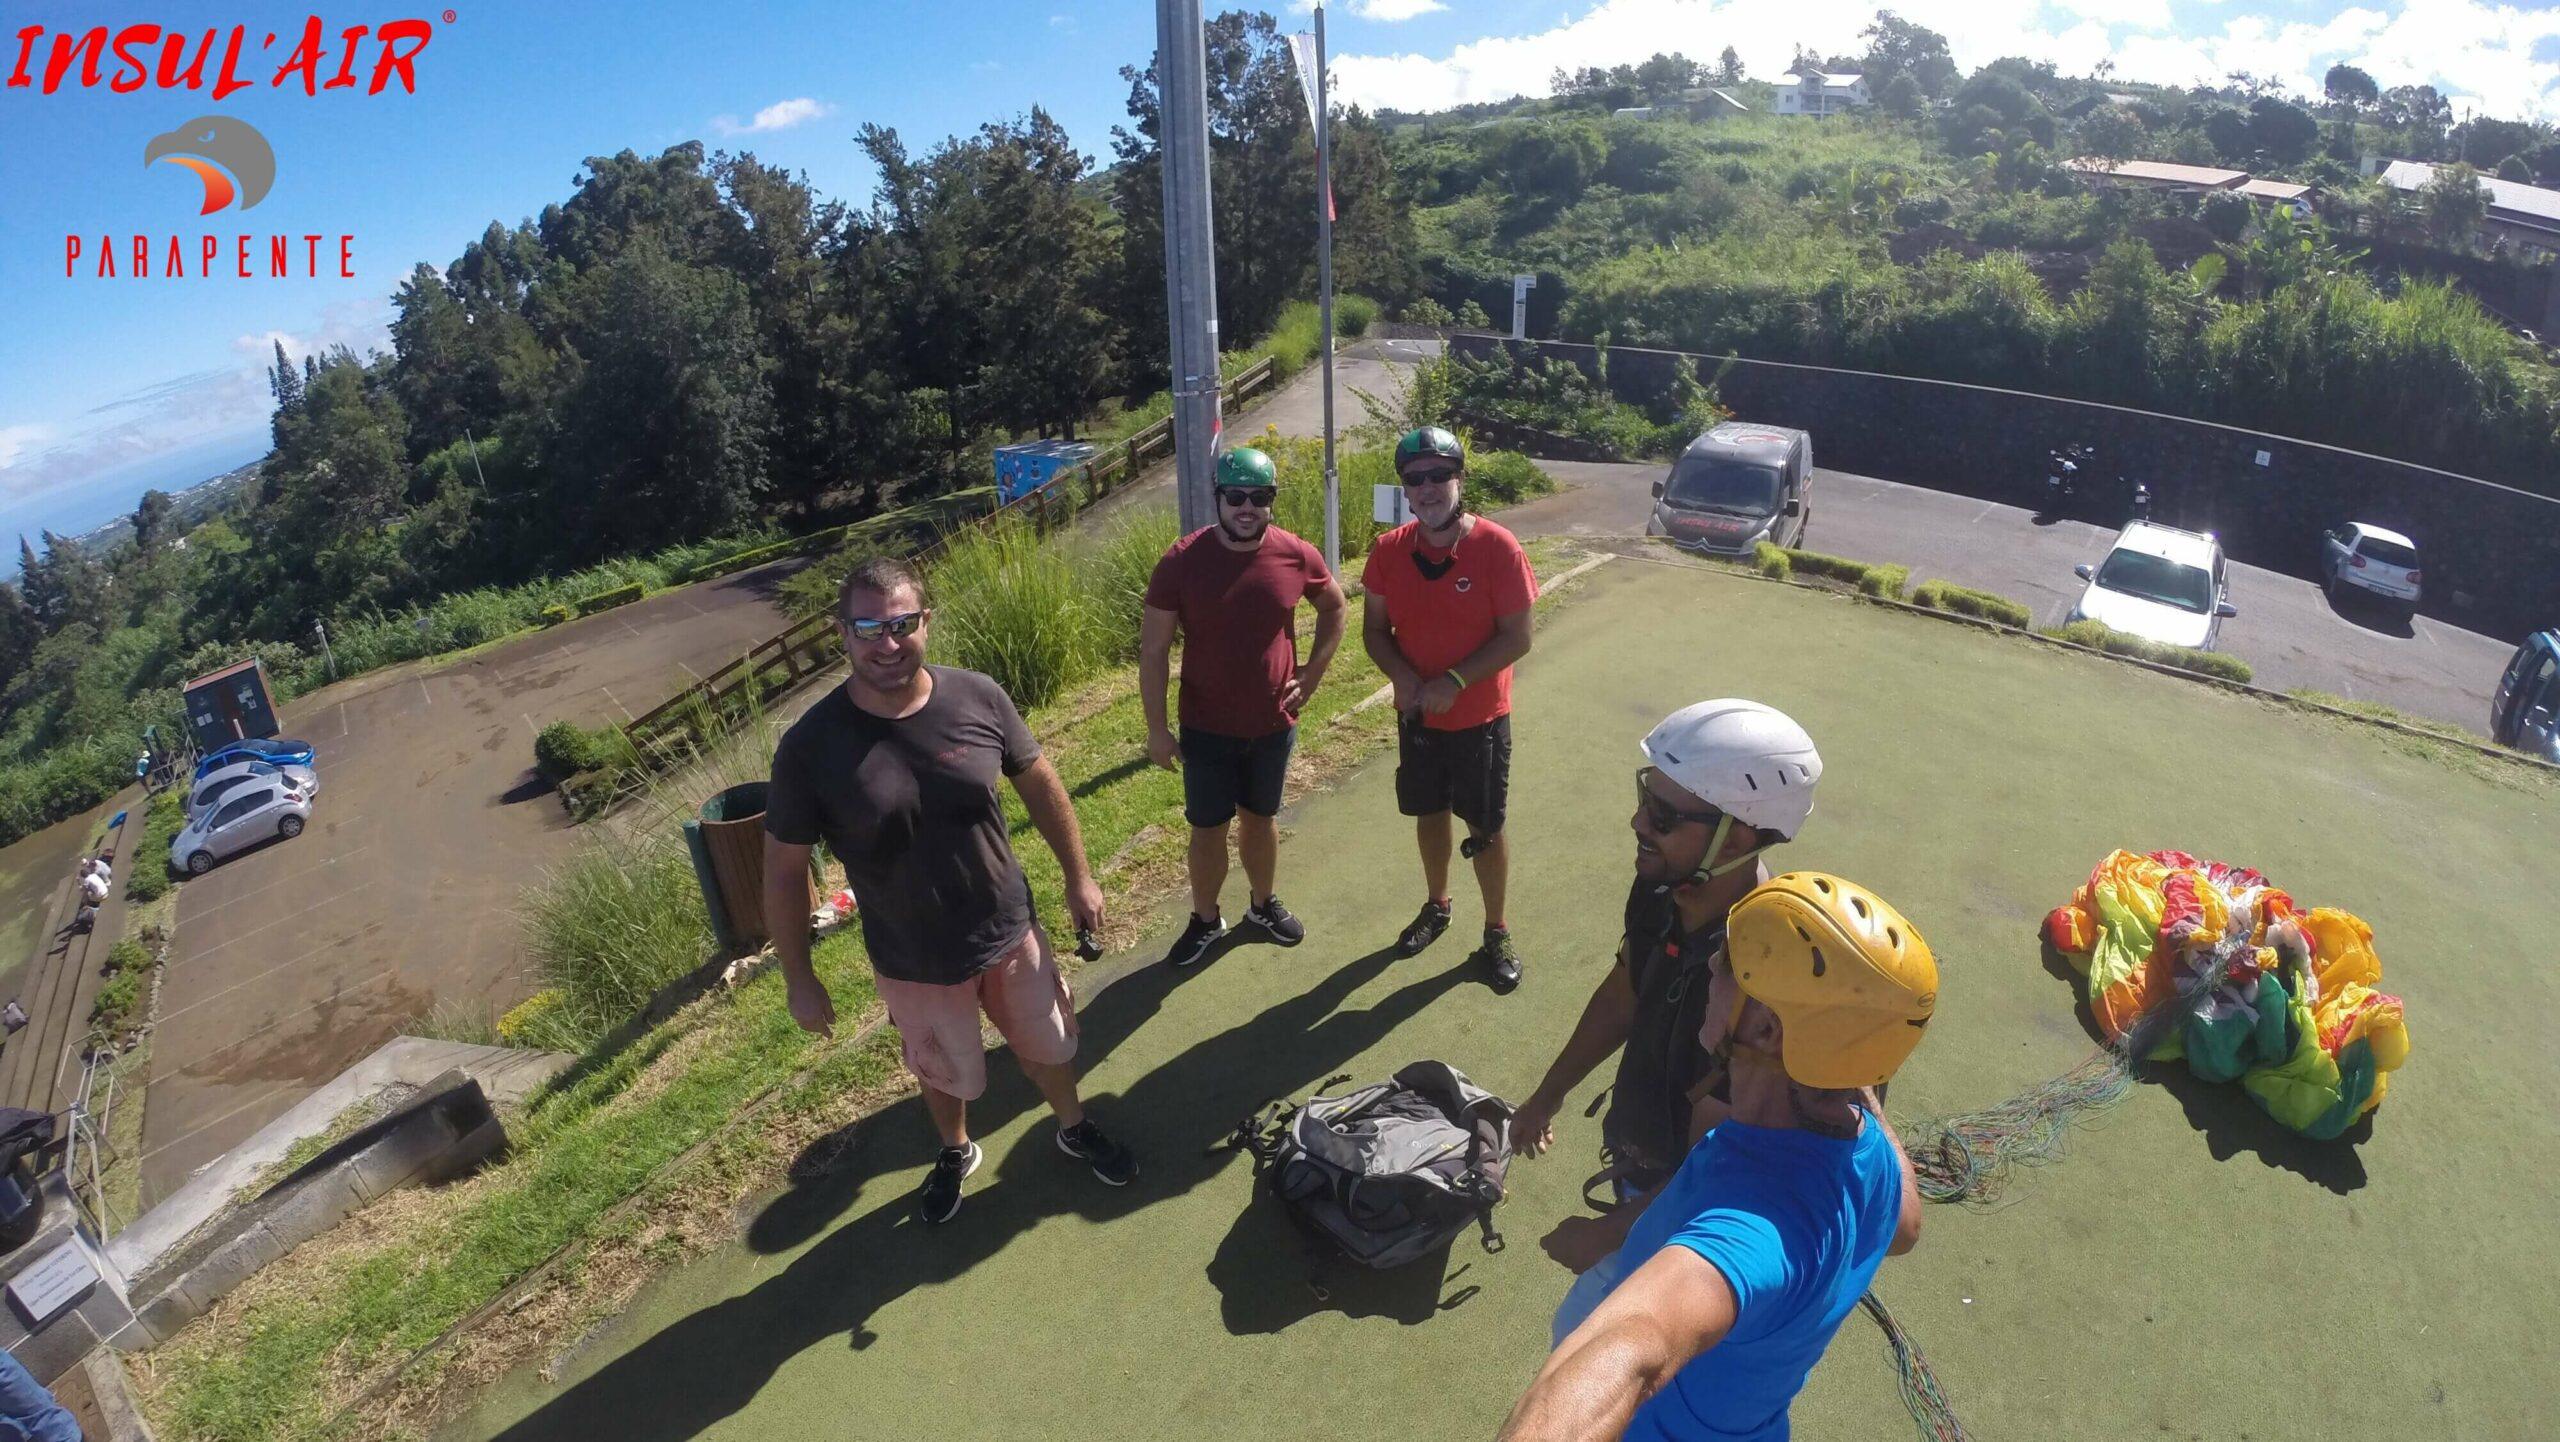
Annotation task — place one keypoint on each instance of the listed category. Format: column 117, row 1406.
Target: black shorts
column 1468, row 772
column 1221, row 773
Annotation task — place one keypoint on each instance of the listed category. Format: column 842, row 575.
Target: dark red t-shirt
column 1441, row 621
column 1239, row 613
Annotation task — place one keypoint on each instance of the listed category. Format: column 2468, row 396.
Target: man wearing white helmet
column 1725, row 781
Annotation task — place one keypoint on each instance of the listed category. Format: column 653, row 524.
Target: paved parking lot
column 297, row 958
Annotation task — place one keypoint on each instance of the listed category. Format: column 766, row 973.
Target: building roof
column 2508, row 201
column 1827, row 77
column 2203, row 177
column 2275, row 190
column 209, row 677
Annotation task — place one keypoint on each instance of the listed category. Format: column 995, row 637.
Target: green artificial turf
column 2187, row 1270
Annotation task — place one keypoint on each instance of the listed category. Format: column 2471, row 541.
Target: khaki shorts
column 1021, row 991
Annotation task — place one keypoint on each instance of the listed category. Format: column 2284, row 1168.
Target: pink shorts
column 1021, row 991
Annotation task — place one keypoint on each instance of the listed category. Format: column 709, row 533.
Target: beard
column 1245, row 534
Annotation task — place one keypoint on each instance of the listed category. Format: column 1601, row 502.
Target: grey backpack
column 1390, row 1172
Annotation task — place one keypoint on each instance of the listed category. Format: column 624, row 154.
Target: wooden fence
column 677, row 728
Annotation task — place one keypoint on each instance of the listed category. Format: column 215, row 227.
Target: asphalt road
column 297, row 958
column 2286, row 630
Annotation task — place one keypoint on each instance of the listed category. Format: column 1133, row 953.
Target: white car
column 214, row 785
column 2369, row 558
column 2159, row 583
column 267, row 806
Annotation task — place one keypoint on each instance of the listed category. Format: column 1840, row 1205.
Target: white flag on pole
column 1302, row 49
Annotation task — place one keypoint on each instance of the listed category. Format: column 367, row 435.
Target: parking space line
column 342, row 720
column 297, row 958
column 617, row 703
column 529, row 726
column 279, row 921
column 423, row 692
column 625, row 625
column 272, row 885
column 340, row 994
column 688, row 670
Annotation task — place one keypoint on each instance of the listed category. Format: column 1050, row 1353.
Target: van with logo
column 1735, row 486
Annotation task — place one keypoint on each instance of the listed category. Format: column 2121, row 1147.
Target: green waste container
column 728, row 858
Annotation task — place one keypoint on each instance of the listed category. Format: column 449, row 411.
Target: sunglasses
column 1428, row 478
column 1261, row 496
column 1661, row 815
column 872, row 628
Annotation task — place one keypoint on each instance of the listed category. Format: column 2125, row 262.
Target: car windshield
column 1707, row 484
column 2157, row 578
column 2389, row 553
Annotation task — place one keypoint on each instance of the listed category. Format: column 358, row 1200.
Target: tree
column 2421, row 115
column 20, row 634
column 1997, row 89
column 2350, row 89
column 1902, row 97
column 1896, row 46
column 2226, row 213
column 1729, row 67
column 2226, row 129
column 2281, row 131
column 285, row 384
column 2112, row 131
column 2485, row 141
column 2453, row 203
column 150, row 520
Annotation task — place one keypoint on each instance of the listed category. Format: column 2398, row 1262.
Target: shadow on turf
column 706, row 1366
column 1269, row 1279
column 2230, row 1121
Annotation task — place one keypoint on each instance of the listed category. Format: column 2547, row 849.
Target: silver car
column 214, row 785
column 268, row 806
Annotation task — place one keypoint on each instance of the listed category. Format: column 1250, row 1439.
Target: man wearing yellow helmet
column 1707, row 1321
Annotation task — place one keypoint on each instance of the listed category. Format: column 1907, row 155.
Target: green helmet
column 1429, row 441
column 1247, row 468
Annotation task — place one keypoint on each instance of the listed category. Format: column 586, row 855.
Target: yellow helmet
column 1850, row 980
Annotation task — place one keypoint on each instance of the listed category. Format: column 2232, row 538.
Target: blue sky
column 109, row 386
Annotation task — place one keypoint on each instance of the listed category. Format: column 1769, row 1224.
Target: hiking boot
column 1428, row 923
column 938, row 1200
column 1274, row 918
column 1192, row 947
column 1110, row 1161
column 1498, row 958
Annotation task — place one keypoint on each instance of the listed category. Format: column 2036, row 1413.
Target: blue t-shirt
column 1798, row 1225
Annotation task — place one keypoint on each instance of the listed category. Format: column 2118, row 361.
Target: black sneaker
column 1274, row 918
column 939, row 1199
column 1193, row 945
column 1499, row 958
column 1428, row 923
column 1110, row 1161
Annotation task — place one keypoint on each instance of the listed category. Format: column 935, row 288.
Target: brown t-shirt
column 909, row 807
column 1239, row 626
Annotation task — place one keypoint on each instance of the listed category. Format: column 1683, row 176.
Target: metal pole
column 1324, row 292
column 1190, row 262
column 322, row 632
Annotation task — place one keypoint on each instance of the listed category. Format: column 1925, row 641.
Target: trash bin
column 728, row 857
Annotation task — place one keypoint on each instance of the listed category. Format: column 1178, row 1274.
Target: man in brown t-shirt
column 896, row 770
column 1231, row 590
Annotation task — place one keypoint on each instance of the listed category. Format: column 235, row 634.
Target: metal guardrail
column 679, row 727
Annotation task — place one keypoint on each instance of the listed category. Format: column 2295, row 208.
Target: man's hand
column 1084, row 905
column 1408, row 692
column 1579, row 1243
column 1437, row 695
column 1533, row 1124
column 1163, row 750
column 1293, row 696
column 811, row 1006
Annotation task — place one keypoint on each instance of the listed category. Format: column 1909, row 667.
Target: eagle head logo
column 227, row 154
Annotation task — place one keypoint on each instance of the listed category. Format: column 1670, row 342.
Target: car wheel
column 198, row 863
column 289, row 828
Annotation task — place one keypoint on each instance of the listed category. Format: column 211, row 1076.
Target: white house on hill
column 1816, row 92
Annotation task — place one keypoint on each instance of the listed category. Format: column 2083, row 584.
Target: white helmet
column 1749, row 761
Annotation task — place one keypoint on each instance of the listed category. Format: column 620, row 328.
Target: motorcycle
column 2062, row 478
column 2141, row 501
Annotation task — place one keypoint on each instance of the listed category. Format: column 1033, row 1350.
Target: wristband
column 1456, row 679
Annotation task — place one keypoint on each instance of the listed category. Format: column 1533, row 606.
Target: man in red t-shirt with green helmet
column 1232, row 590
column 1447, row 615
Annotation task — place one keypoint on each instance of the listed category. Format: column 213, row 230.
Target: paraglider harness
column 29, row 1147
column 1388, row 1173
column 1646, row 1131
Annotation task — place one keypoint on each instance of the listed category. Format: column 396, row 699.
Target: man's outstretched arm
column 1674, row 1307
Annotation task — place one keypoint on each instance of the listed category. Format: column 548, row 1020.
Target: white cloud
column 16, row 441
column 1385, row 12
column 781, row 115
column 2475, row 51
column 1062, row 22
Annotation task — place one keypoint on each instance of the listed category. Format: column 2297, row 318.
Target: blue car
column 279, row 753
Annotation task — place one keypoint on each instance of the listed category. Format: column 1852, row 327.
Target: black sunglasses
column 1661, row 815
column 1261, row 496
column 1430, row 477
column 872, row 628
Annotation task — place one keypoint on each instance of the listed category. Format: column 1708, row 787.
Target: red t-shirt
column 1441, row 622
column 1239, row 612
